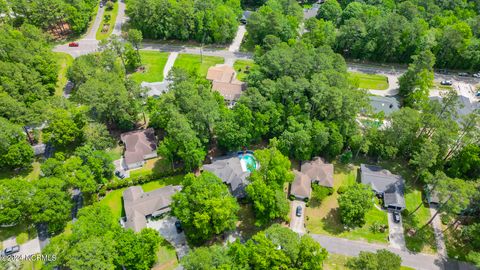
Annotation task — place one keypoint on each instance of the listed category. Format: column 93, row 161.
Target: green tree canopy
column 354, row 204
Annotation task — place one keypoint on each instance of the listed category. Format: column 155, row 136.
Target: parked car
column 73, row 44
column 101, row 4
column 396, row 217
column 11, row 250
column 476, row 75
column 299, row 211
column 477, row 94
column 446, row 82
column 463, row 74
column 178, row 226
column 119, row 174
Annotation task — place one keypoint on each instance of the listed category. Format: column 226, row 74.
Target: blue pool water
column 250, row 162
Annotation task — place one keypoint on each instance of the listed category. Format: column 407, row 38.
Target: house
column 386, row 185
column 140, row 145
column 311, row 12
column 387, row 105
column 316, row 171
column 224, row 80
column 234, row 171
column 140, row 205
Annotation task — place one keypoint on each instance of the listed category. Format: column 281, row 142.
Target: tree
column 64, row 129
column 354, row 204
column 135, row 38
column 330, row 10
column 205, row 207
column 424, row 158
column 382, row 259
column 15, row 200
column 466, row 164
column 97, row 136
column 15, row 152
column 80, row 257
column 206, row 258
column 130, row 247
column 417, row 81
column 50, row 203
column 320, row 32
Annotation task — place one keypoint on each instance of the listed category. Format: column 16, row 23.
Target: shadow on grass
column 332, row 223
column 246, row 225
column 416, row 239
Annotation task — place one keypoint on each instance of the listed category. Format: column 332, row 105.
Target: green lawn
column 368, row 81
column 422, row 241
column 113, row 16
column 115, row 153
column 325, row 218
column 242, row 68
column 152, row 166
column 64, row 61
column 154, row 63
column 30, row 174
column 192, row 62
column 339, row 262
column 114, row 198
column 22, row 232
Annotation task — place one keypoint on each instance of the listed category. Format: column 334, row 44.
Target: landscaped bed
column 154, row 63
column 193, row 62
column 325, row 218
column 369, row 81
column 106, row 26
column 242, row 67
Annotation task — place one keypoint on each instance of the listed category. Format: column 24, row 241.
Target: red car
column 73, row 44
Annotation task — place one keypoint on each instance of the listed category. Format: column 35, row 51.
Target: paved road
column 395, row 233
column 121, row 18
column 297, row 224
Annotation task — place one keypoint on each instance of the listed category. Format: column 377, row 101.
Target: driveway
column 297, row 224
column 437, row 228
column 166, row 228
column 120, row 166
column 395, row 233
column 237, row 41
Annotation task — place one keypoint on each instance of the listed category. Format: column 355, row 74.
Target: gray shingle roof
column 230, row 170
column 139, row 204
column 138, row 143
column 385, row 183
column 301, row 186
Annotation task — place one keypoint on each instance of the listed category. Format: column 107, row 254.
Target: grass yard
column 154, row 63
column 422, row 241
column 192, row 62
column 152, row 166
column 29, row 174
column 246, row 221
column 22, row 232
column 339, row 262
column 114, row 198
column 64, row 61
column 31, row 265
column 368, row 81
column 242, row 68
column 113, row 17
column 115, row 153
column 166, row 257
column 325, row 218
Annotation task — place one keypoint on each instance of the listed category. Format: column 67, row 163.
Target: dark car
column 463, row 74
column 119, row 174
column 299, row 211
column 396, row 217
column 101, row 4
column 178, row 226
column 446, row 82
column 11, row 250
column 73, row 44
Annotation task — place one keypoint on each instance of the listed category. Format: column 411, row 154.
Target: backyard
column 154, row 63
column 368, row 81
column 166, row 257
column 325, row 218
column 194, row 63
column 113, row 199
column 112, row 16
column 64, row 61
column 242, row 67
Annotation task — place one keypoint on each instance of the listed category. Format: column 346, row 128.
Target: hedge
column 141, row 179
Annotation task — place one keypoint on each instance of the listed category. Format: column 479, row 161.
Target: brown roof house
column 316, row 171
column 139, row 205
column 140, row 145
column 224, row 81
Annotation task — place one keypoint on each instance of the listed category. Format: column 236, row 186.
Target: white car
column 476, row 75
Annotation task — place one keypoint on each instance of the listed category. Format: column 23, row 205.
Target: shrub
column 22, row 238
column 342, row 189
column 320, row 192
column 109, row 5
column 291, row 197
column 107, row 17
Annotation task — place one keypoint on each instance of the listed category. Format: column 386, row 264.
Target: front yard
column 242, row 68
column 114, row 200
column 369, row 81
column 194, row 63
column 154, row 63
column 325, row 218
column 166, row 257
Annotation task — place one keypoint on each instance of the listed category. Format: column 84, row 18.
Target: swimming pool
column 248, row 162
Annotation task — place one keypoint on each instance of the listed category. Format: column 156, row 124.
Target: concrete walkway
column 437, row 229
column 168, row 66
